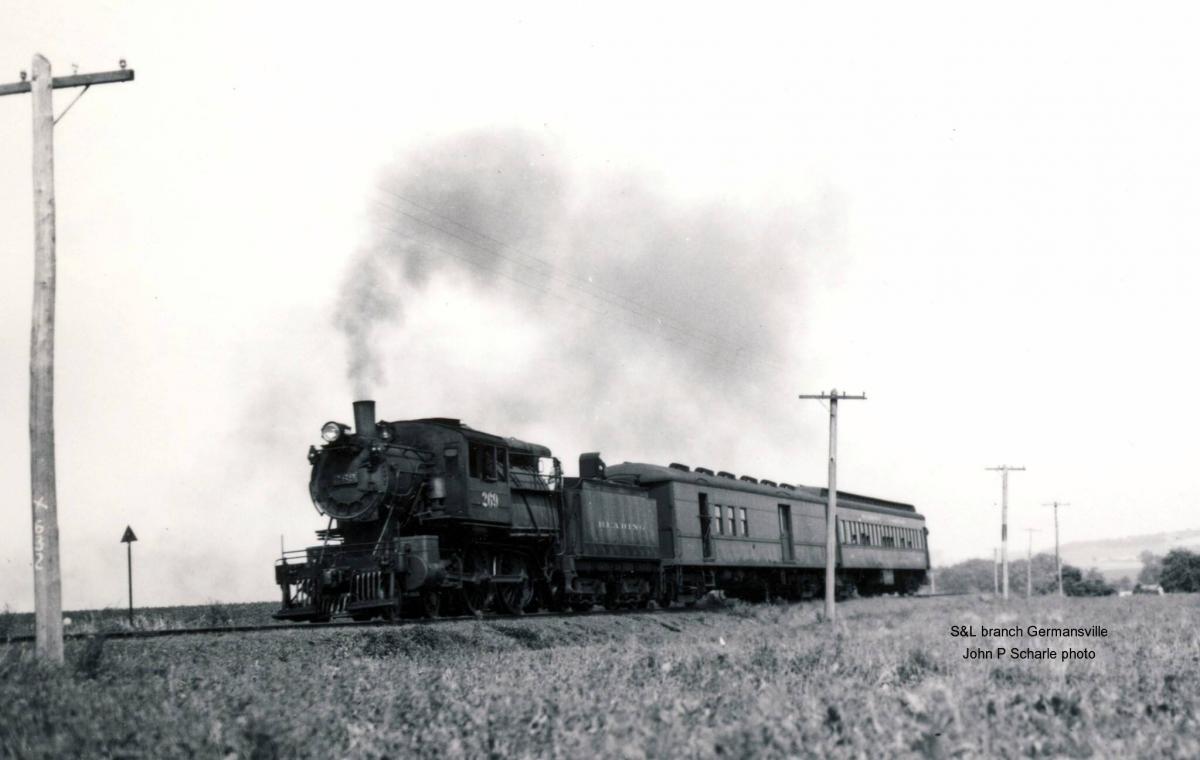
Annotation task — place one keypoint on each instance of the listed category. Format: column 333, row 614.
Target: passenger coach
column 755, row 538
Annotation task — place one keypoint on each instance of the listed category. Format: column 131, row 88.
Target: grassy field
column 737, row 681
column 115, row 619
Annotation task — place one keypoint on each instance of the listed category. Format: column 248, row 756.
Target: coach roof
column 646, row 474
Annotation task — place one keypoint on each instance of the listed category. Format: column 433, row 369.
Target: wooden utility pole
column 831, row 508
column 1029, row 565
column 47, row 574
column 1004, row 470
column 995, row 572
column 1057, row 558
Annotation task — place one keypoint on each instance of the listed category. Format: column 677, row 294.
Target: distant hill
column 1117, row 558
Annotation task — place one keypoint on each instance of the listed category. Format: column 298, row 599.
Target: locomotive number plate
column 490, row 499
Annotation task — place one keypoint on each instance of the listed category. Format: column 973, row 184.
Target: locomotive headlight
column 331, row 431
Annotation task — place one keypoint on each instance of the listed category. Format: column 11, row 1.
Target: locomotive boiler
column 428, row 516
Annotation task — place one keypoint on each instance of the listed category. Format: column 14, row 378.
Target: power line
column 549, row 266
column 581, row 285
column 739, row 350
column 541, row 291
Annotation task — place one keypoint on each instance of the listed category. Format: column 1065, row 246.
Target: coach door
column 785, row 532
column 706, row 527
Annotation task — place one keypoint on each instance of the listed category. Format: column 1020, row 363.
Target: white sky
column 1011, row 280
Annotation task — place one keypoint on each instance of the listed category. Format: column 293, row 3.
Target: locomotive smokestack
column 364, row 418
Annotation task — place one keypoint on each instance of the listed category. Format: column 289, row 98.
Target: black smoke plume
column 654, row 320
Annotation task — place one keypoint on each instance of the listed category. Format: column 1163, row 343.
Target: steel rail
column 339, row 624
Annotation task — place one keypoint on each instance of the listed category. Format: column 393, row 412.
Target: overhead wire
column 550, row 272
column 541, row 290
column 550, row 268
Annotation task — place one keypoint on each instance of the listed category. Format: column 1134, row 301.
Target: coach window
column 745, row 523
column 733, row 521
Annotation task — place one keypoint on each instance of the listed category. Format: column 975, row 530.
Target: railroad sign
column 128, row 538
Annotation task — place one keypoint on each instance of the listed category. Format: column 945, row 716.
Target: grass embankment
column 114, row 619
column 743, row 681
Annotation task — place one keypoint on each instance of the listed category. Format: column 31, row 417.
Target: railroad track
column 264, row 628
column 161, row 633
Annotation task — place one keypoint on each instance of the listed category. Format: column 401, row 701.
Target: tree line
column 1177, row 571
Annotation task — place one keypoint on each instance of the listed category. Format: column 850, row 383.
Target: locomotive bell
column 364, row 418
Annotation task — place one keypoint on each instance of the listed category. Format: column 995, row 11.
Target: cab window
column 487, row 462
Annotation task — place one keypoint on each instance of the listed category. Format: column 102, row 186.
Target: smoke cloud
column 637, row 321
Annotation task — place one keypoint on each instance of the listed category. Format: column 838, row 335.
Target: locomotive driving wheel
column 477, row 591
column 512, row 597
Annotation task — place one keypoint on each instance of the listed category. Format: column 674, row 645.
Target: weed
column 90, row 660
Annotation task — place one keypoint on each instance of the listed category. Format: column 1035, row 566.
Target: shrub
column 1180, row 571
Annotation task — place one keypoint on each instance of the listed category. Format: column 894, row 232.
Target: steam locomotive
column 430, row 516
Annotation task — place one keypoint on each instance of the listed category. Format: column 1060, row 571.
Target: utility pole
column 47, row 573
column 831, row 508
column 1057, row 558
column 1004, row 470
column 1029, row 565
column 995, row 571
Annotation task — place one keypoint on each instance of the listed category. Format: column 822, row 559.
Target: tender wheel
column 611, row 600
column 666, row 595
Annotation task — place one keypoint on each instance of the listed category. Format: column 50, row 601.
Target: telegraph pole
column 47, row 573
column 995, row 572
column 831, row 508
column 1004, row 470
column 1029, row 565
column 1057, row 559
